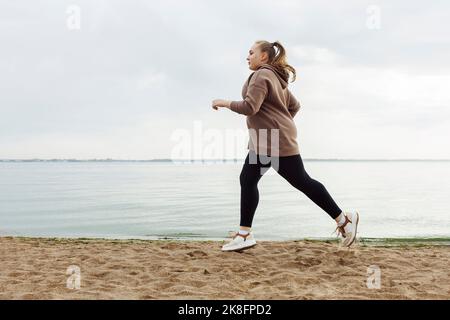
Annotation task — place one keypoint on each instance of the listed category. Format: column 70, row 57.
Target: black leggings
column 291, row 168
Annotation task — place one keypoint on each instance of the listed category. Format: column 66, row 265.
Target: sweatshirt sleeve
column 294, row 105
column 256, row 93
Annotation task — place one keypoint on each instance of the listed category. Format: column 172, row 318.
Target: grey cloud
column 136, row 59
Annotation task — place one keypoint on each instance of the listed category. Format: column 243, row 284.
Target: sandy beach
column 36, row 268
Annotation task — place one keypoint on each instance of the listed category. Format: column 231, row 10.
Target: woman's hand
column 219, row 103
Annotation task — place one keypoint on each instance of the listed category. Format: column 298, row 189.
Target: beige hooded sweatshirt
column 268, row 104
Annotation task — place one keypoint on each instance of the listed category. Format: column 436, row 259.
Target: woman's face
column 256, row 57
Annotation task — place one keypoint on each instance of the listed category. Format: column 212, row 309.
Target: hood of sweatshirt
column 282, row 76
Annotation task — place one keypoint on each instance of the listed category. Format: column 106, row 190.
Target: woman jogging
column 270, row 108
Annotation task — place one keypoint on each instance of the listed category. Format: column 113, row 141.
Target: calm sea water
column 153, row 200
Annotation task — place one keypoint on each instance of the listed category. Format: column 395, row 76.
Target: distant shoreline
column 214, row 160
column 371, row 242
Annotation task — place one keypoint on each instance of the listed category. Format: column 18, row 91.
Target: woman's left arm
column 220, row 103
column 256, row 93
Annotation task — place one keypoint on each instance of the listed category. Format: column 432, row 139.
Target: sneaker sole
column 356, row 230
column 240, row 249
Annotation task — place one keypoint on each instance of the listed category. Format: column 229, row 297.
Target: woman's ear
column 264, row 56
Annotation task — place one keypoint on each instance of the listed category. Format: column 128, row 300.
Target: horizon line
column 203, row 160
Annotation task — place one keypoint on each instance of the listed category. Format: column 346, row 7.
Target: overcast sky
column 118, row 79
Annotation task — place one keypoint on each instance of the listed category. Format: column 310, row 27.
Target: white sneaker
column 349, row 228
column 240, row 242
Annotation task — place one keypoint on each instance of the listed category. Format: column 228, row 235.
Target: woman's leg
column 291, row 168
column 251, row 173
